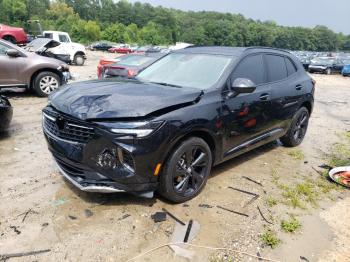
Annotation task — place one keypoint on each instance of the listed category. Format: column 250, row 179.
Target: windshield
column 324, row 61
column 200, row 71
column 136, row 60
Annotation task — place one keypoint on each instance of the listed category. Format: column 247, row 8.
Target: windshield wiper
column 166, row 84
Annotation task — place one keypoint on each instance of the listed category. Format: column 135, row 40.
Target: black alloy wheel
column 298, row 128
column 186, row 171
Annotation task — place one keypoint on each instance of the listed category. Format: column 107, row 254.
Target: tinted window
column 290, row 67
column 48, row 35
column 276, row 67
column 251, row 67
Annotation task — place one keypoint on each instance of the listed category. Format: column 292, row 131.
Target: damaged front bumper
column 95, row 160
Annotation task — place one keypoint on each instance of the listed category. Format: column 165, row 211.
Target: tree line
column 124, row 22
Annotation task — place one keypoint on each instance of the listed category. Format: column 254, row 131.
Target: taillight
column 131, row 73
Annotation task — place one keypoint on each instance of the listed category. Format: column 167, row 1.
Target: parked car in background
column 76, row 51
column 324, row 65
column 20, row 68
column 130, row 66
column 43, row 47
column 346, row 70
column 124, row 49
column 142, row 49
column 6, row 112
column 106, row 61
column 165, row 129
column 15, row 35
column 306, row 62
column 101, row 46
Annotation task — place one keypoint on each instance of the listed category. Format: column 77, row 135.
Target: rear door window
column 276, row 67
column 252, row 68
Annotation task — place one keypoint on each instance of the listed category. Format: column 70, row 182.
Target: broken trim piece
column 96, row 189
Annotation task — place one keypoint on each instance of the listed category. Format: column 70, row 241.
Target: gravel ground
column 77, row 226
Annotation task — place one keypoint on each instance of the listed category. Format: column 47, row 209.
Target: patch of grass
column 271, row 201
column 275, row 176
column 292, row 198
column 269, row 238
column 290, row 225
column 300, row 193
column 297, row 154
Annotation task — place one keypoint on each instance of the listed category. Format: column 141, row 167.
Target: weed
column 271, row 201
column 269, row 238
column 297, row 154
column 290, row 225
column 292, row 197
column 275, row 176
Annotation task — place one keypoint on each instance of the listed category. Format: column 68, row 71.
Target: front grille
column 66, row 128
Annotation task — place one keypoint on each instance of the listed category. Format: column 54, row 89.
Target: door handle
column 264, row 96
column 298, row 87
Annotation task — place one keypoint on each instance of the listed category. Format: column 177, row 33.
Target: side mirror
column 243, row 86
column 13, row 53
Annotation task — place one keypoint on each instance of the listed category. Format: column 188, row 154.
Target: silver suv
column 20, row 68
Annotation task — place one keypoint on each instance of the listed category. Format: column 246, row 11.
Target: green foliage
column 271, row 201
column 269, row 238
column 290, row 225
column 122, row 21
column 297, row 154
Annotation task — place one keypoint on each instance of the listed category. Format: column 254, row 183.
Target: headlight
column 63, row 67
column 136, row 129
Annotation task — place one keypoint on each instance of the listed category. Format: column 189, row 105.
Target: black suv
column 164, row 130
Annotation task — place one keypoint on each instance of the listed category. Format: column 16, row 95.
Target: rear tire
column 297, row 129
column 10, row 39
column 186, row 171
column 45, row 83
column 79, row 60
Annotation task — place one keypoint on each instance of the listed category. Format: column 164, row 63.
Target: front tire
column 45, row 83
column 186, row 171
column 79, row 60
column 297, row 129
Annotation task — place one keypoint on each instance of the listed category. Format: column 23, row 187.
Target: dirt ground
column 77, row 226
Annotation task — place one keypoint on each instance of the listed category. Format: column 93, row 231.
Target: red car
column 15, row 35
column 120, row 50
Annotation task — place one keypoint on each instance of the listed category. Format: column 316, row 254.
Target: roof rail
column 266, row 47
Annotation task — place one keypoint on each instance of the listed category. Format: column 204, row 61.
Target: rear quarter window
column 291, row 68
column 276, row 66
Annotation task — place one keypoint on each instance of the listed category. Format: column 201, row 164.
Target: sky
column 307, row 13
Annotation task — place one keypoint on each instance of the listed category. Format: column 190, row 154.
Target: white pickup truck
column 76, row 51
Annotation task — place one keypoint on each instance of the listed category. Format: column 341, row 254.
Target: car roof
column 57, row 32
column 226, row 50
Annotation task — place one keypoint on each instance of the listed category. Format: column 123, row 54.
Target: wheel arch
column 307, row 105
column 79, row 53
column 9, row 35
column 205, row 135
column 36, row 73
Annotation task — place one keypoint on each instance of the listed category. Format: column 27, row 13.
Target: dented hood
column 100, row 99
